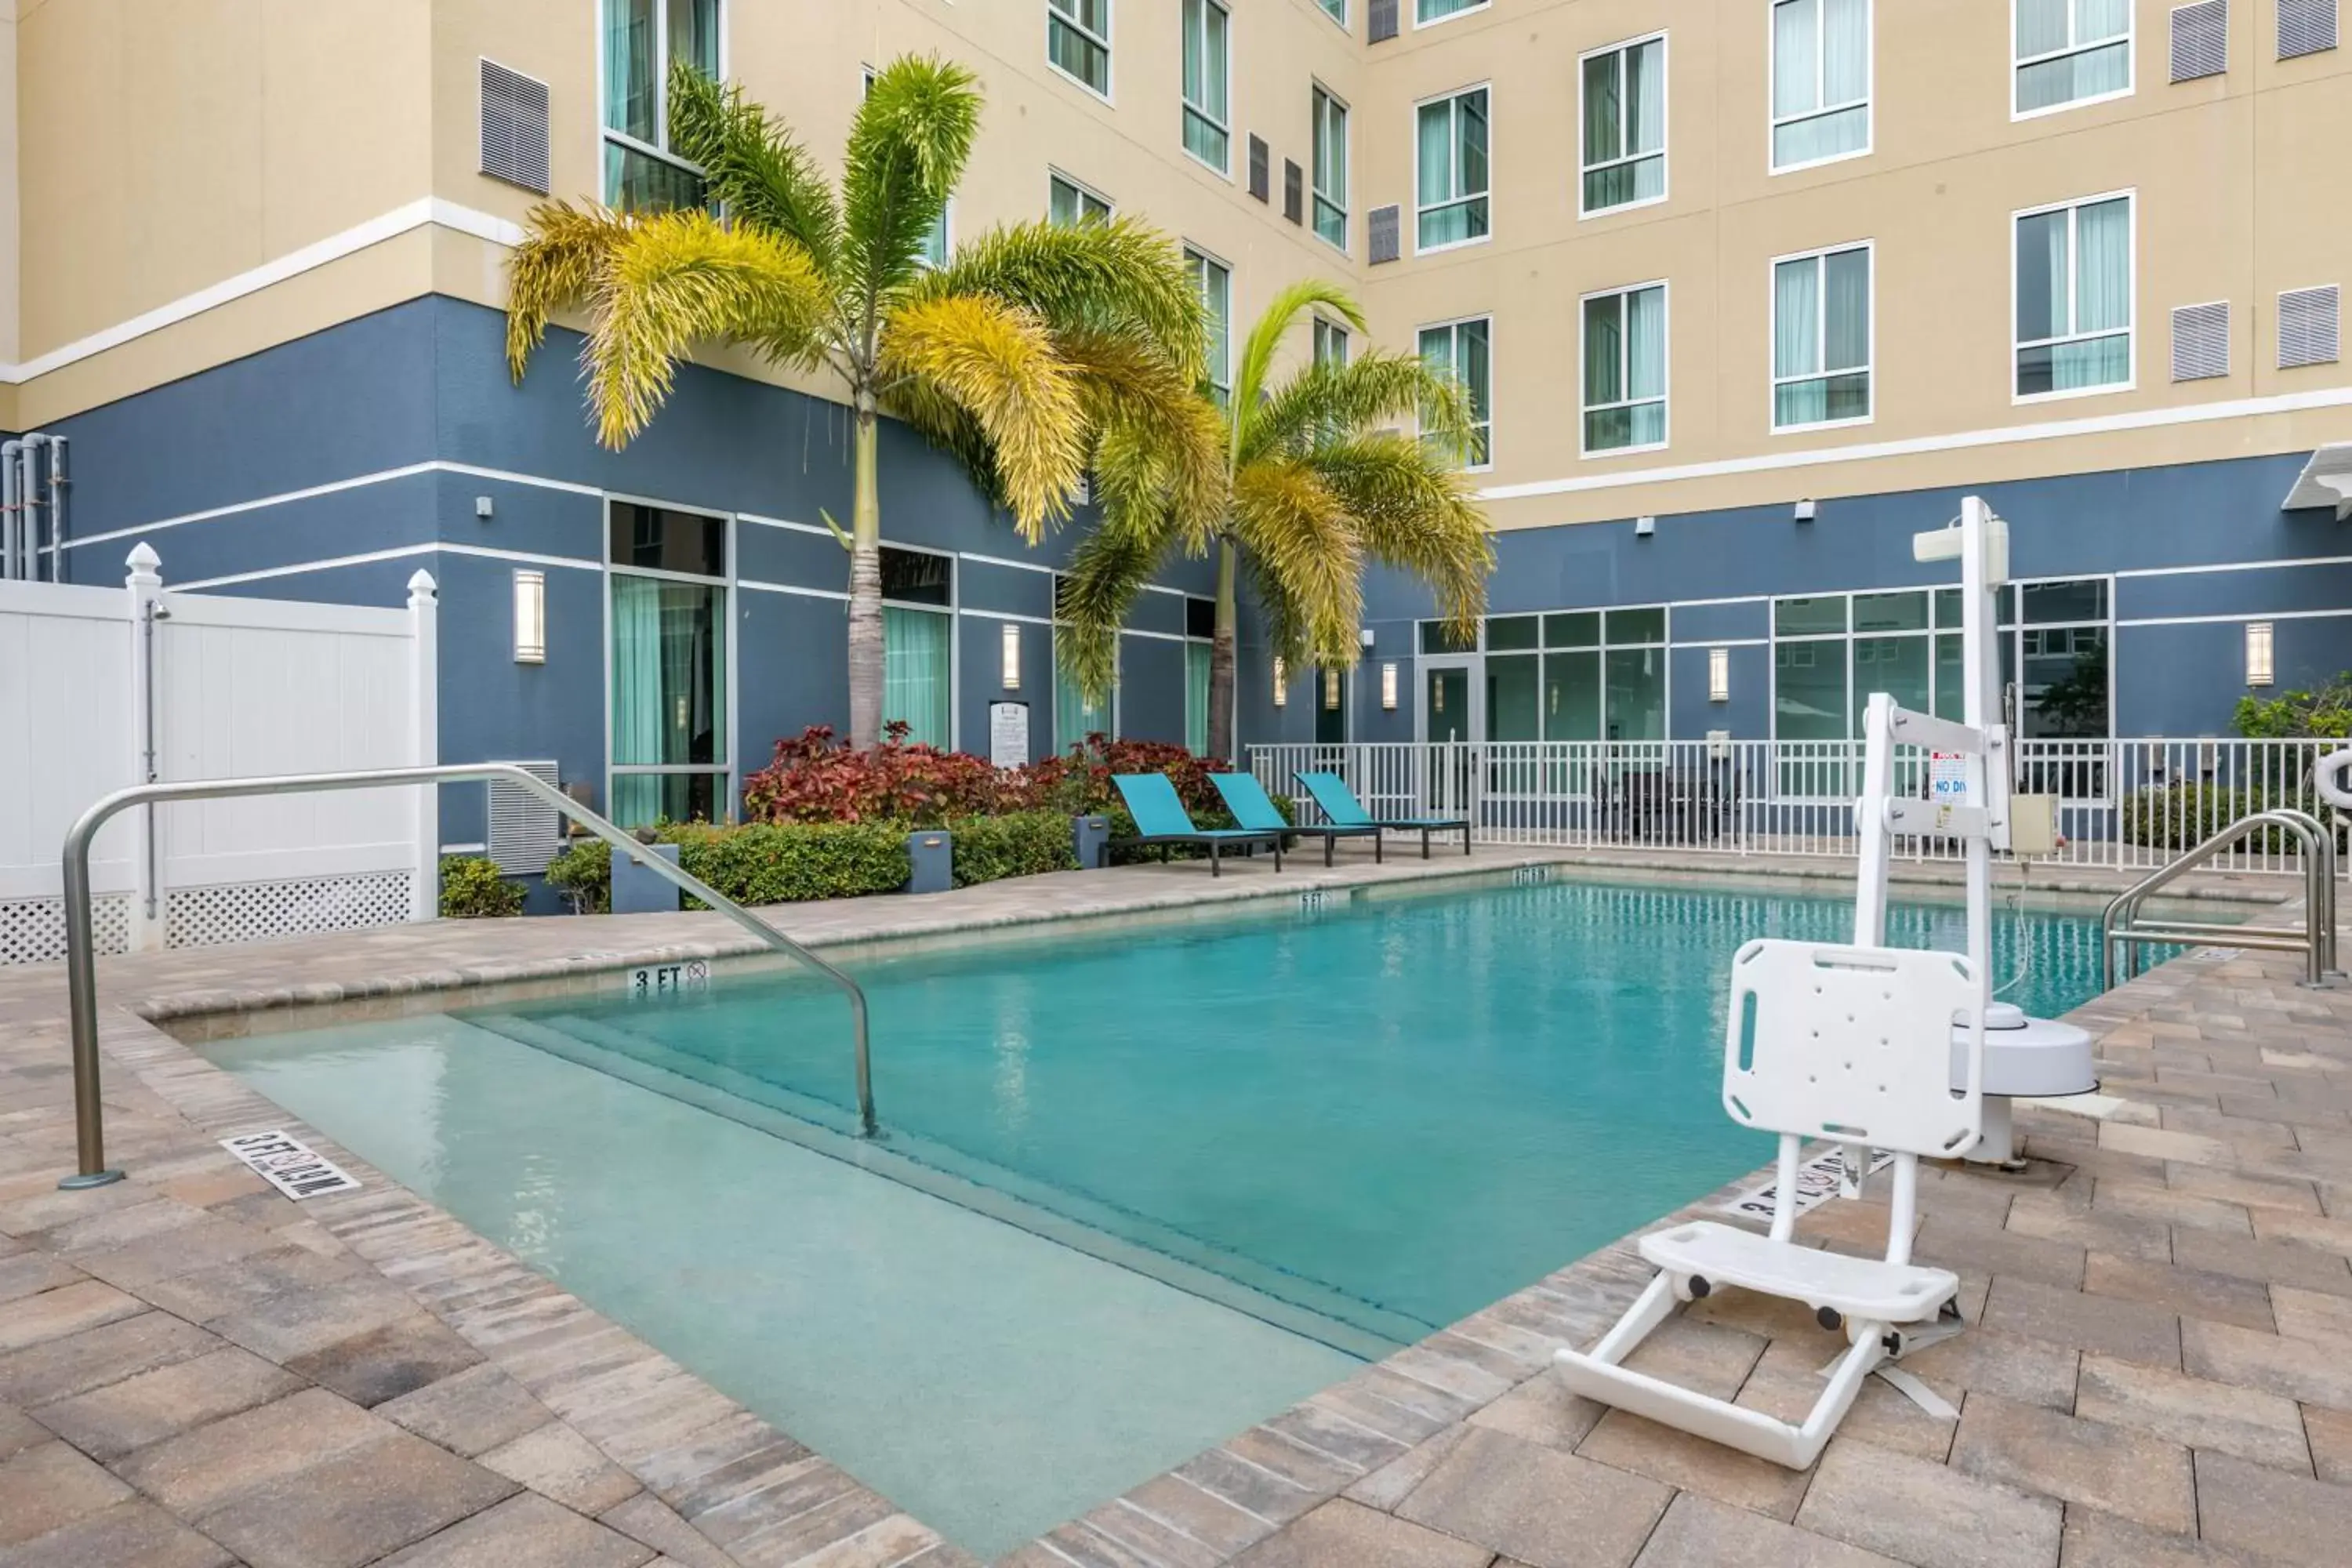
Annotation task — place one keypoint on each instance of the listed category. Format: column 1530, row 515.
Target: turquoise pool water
column 1140, row 1185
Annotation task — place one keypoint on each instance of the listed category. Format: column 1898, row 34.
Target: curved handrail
column 81, row 959
column 2119, row 924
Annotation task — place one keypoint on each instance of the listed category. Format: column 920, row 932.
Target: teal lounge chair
column 1340, row 804
column 1253, row 808
column 1161, row 819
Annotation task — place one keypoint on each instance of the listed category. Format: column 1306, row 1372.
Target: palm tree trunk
column 865, row 656
column 1220, row 658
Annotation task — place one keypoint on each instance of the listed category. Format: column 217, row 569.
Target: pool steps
column 1287, row 1301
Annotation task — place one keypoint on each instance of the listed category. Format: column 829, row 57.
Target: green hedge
column 474, row 888
column 1017, row 844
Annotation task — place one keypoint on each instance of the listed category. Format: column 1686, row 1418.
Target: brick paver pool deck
column 194, row 1371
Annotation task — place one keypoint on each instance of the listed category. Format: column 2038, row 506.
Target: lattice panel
column 33, row 930
column 252, row 912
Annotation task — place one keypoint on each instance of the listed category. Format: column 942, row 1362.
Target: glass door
column 1451, row 727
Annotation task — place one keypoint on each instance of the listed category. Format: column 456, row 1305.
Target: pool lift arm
column 2023, row 1057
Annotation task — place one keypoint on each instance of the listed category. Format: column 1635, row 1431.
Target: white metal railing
column 2131, row 805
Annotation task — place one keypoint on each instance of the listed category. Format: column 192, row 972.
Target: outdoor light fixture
column 1012, row 643
column 529, row 616
column 1365, row 636
column 1719, row 674
column 2261, row 668
column 1281, row 683
column 1389, row 686
column 1644, row 526
column 1804, row 512
column 1331, row 690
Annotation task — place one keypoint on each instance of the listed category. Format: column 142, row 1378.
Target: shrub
column 473, row 889
column 790, row 863
column 1018, row 843
column 814, row 779
column 2180, row 815
column 2291, row 715
column 583, row 874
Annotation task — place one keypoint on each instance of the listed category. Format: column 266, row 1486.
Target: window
column 918, row 632
column 1068, row 201
column 2069, row 52
column 2059, row 663
column 1214, row 279
column 642, row 38
column 1337, row 10
column 1464, row 350
column 1601, row 677
column 1200, row 635
column 1427, row 11
column 1625, row 125
column 1451, row 160
column 668, row 694
column 1821, row 339
column 1821, row 81
column 2073, row 287
column 1208, row 67
column 1625, row 369
column 1331, row 344
column 1330, row 168
column 1077, row 41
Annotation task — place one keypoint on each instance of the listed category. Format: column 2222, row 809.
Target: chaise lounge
column 1252, row 808
column 1161, row 819
column 1340, row 804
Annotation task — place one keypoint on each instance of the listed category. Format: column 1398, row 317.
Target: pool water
column 1140, row 1185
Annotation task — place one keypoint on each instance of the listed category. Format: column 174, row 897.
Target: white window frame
column 730, row 611
column 1052, row 175
column 661, row 91
column 1665, row 399
column 1326, row 329
column 1450, row 17
column 2129, row 40
column 1867, row 103
column 1665, row 110
column 1319, row 94
column 1185, row 106
column 2071, row 206
column 1221, row 377
column 1110, row 55
column 1338, row 15
column 1869, row 366
column 1455, row 324
column 1454, row 143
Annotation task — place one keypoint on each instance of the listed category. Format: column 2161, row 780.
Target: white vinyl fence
column 2126, row 805
column 104, row 687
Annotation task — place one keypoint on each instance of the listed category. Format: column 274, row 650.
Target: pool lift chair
column 1871, row 1048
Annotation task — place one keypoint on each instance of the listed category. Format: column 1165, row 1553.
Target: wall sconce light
column 2261, row 662
column 1805, row 512
column 1012, row 655
column 1364, row 637
column 1389, row 686
column 529, row 616
column 1331, row 690
column 1719, row 674
column 1643, row 526
column 1281, row 683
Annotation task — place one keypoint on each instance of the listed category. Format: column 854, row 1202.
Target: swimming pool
column 1141, row 1185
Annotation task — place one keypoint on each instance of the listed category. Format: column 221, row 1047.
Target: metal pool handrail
column 81, row 958
column 2121, row 929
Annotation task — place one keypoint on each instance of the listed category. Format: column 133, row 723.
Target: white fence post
column 149, row 927
column 425, row 742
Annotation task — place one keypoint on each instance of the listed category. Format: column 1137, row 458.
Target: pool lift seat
column 1852, row 1044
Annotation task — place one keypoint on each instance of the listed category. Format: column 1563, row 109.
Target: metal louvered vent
column 2305, row 27
column 1383, row 233
column 525, row 834
column 1380, row 21
column 1260, row 156
column 514, row 127
column 2201, row 341
column 1294, row 192
column 2308, row 327
column 2200, row 40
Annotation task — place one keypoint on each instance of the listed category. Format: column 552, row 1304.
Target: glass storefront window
column 1511, row 633
column 1806, row 618
column 670, row 699
column 2052, row 604
column 1636, row 693
column 1514, row 698
column 1625, row 628
column 1571, row 698
column 917, row 675
column 2063, row 687
column 1904, row 612
column 1574, row 628
column 1437, row 636
column 1951, row 678
column 1898, row 665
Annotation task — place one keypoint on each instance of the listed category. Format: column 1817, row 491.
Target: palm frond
column 1331, row 401
column 1414, row 510
column 907, row 147
column 565, row 251
column 752, row 164
column 676, row 279
column 1299, row 532
column 1266, row 338
column 1095, row 590
column 1115, row 278
column 1278, row 617
column 999, row 362
column 1154, row 433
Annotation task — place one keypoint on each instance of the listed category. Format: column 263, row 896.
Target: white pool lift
column 1902, row 1050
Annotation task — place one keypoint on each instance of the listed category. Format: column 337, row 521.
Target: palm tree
column 1025, row 353
column 1312, row 488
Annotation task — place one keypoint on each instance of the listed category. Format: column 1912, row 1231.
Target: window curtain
column 1604, row 349
column 915, row 680
column 1196, row 697
column 1796, row 338
column 637, row 729
column 1796, row 56
column 1845, row 50
column 1437, row 153
column 1820, row 57
column 694, row 34
column 2041, row 26
column 629, row 68
column 2101, row 298
column 1646, row 363
column 1645, row 107
column 669, row 686
column 1604, row 109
